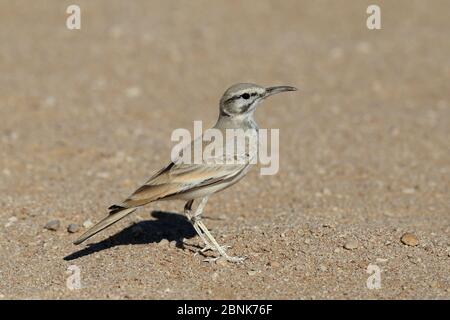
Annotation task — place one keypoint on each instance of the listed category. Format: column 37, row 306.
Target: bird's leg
column 217, row 247
column 191, row 218
column 196, row 219
column 211, row 243
column 203, row 232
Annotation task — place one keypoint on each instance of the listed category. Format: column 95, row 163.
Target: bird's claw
column 226, row 257
column 209, row 247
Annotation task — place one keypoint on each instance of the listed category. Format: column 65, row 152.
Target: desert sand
column 87, row 115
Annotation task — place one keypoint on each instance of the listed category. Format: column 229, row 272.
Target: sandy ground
column 86, row 117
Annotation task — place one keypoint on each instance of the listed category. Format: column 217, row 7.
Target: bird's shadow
column 168, row 225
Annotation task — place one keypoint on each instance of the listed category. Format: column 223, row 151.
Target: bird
column 196, row 182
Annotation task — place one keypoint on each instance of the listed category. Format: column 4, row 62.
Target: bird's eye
column 245, row 96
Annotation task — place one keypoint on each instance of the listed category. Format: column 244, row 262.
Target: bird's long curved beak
column 274, row 90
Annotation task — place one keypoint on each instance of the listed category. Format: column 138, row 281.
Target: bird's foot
column 228, row 258
column 208, row 247
column 212, row 248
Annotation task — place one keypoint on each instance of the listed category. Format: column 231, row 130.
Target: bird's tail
column 116, row 213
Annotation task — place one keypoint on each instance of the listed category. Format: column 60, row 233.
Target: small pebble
column 11, row 221
column 409, row 190
column 49, row 101
column 52, row 225
column 103, row 175
column 274, row 264
column 351, row 245
column 163, row 242
column 409, row 239
column 133, row 92
column 173, row 244
column 323, row 268
column 73, row 228
column 87, row 224
column 252, row 272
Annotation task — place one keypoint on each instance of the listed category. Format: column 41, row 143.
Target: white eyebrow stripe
column 240, row 92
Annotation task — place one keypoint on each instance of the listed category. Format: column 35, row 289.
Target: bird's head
column 242, row 99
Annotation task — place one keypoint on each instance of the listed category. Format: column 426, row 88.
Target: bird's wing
column 171, row 180
column 178, row 177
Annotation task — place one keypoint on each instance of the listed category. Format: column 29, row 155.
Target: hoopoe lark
column 197, row 181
